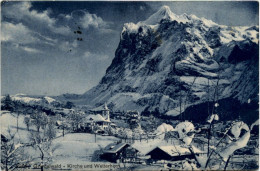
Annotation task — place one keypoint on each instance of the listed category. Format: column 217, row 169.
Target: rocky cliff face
column 169, row 62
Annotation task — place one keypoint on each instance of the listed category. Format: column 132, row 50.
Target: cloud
column 17, row 33
column 75, row 44
column 88, row 56
column 67, row 46
column 30, row 50
column 93, row 20
column 21, row 12
column 87, row 20
column 25, row 48
column 20, row 34
column 46, row 39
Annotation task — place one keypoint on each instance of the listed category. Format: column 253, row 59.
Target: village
column 126, row 138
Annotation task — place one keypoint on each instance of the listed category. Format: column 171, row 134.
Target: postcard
column 129, row 85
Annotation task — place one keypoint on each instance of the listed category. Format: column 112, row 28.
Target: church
column 100, row 118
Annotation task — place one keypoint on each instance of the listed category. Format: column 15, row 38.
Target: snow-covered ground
column 73, row 148
column 8, row 121
column 79, row 148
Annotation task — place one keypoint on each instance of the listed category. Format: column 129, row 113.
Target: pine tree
column 8, row 104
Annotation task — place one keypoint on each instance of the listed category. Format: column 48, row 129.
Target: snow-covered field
column 75, row 150
column 72, row 148
column 8, row 121
column 79, row 148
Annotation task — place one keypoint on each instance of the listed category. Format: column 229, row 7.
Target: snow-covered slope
column 32, row 100
column 169, row 56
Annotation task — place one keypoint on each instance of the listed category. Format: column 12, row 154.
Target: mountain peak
column 164, row 10
column 164, row 13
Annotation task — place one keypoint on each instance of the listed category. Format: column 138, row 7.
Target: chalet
column 173, row 153
column 119, row 152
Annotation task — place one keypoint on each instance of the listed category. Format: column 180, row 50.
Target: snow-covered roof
column 197, row 151
column 96, row 118
column 173, row 150
column 113, row 148
column 163, row 128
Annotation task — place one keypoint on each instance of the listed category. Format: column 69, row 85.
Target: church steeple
column 105, row 112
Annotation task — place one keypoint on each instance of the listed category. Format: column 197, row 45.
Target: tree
column 233, row 136
column 50, row 130
column 69, row 105
column 17, row 119
column 44, row 120
column 64, row 126
column 111, row 131
column 212, row 116
column 151, row 123
column 8, row 104
column 61, row 124
column 12, row 153
column 43, row 143
column 40, row 120
column 27, row 122
column 95, row 130
column 184, row 98
column 75, row 120
column 188, row 94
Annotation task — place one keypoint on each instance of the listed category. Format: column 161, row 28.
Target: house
column 117, row 152
column 133, row 119
column 97, row 120
column 100, row 118
column 200, row 142
column 173, row 153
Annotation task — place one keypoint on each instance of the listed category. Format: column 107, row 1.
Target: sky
column 41, row 54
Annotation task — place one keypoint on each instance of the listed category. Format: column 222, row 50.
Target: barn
column 173, row 153
column 119, row 152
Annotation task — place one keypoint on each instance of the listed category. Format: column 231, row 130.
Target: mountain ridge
column 168, row 56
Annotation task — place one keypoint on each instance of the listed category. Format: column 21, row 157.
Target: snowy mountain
column 32, row 100
column 170, row 61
